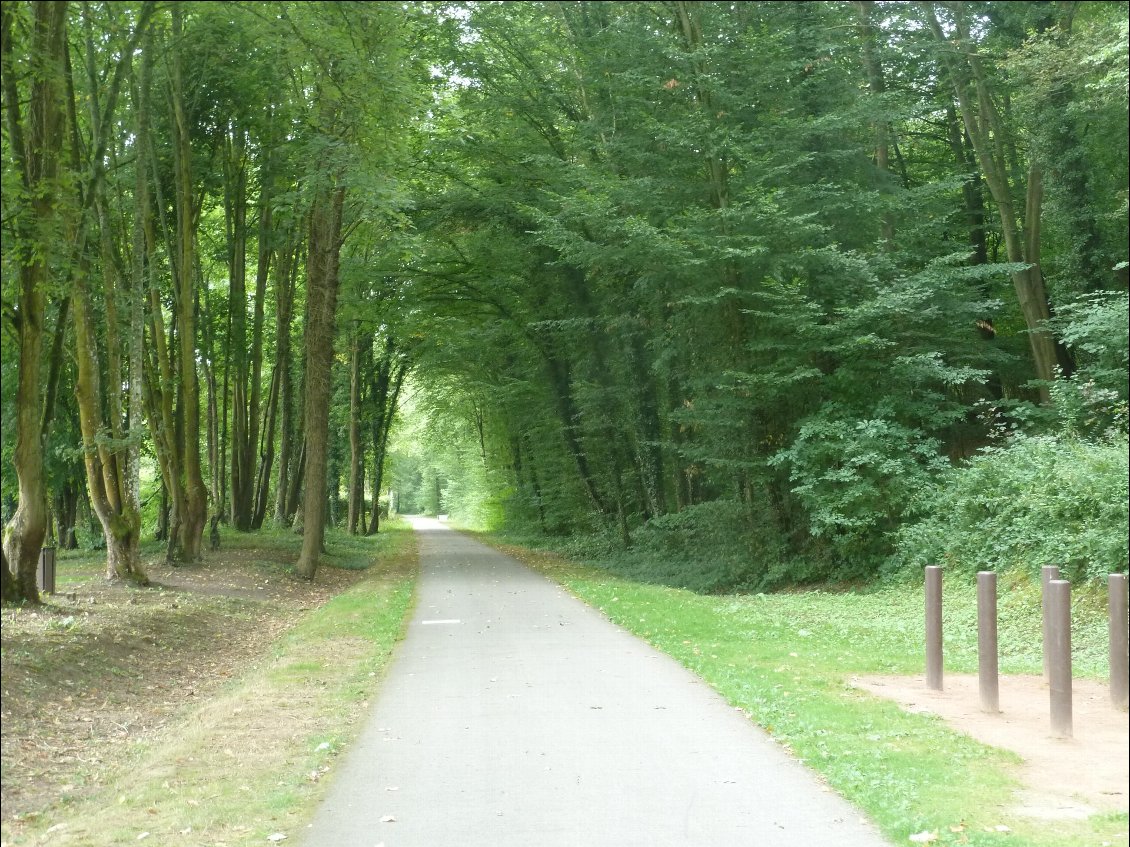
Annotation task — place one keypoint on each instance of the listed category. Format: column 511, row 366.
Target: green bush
column 855, row 479
column 719, row 546
column 707, row 547
column 1097, row 329
column 1035, row 500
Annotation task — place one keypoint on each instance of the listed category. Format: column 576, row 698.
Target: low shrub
column 855, row 479
column 1034, row 500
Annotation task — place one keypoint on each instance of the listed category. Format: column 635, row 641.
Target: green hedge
column 1033, row 501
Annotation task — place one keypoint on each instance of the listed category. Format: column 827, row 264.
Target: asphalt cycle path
column 513, row 715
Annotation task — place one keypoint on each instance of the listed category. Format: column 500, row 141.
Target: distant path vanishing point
column 514, row 715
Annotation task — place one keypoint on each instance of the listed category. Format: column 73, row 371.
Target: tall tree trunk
column 160, row 385
column 158, row 376
column 356, row 447
column 647, row 429
column 991, row 141
column 101, row 408
column 380, row 382
column 66, row 511
column 284, row 307
column 266, row 451
column 38, row 166
column 106, row 459
column 55, row 367
column 222, row 503
column 560, row 383
column 971, row 192
column 140, row 257
column 196, row 495
column 254, row 459
column 536, row 486
column 161, row 531
column 212, row 412
column 294, row 490
column 865, row 10
column 333, row 482
column 389, row 400
column 235, row 217
column 215, row 469
column 321, row 301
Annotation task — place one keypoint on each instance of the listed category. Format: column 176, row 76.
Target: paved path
column 515, row 716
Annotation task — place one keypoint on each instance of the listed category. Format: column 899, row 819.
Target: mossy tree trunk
column 321, row 311
column 37, row 156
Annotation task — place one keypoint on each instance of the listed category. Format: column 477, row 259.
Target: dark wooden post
column 1047, row 574
column 988, row 681
column 1116, row 605
column 1059, row 655
column 45, row 572
column 934, row 627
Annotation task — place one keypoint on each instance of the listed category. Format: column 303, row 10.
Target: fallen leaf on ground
column 388, row 819
column 924, row 837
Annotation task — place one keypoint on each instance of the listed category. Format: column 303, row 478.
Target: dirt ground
column 102, row 666
column 1062, row 778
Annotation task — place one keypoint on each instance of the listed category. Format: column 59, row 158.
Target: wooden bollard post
column 934, row 627
column 1047, row 574
column 988, row 680
column 1116, row 606
column 1059, row 655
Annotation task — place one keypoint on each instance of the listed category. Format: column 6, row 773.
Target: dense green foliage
column 743, row 286
column 1033, row 500
column 1056, row 496
column 726, row 296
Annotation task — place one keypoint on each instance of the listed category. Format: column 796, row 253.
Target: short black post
column 1047, row 574
column 1119, row 675
column 45, row 572
column 934, row 627
column 988, row 679
column 1059, row 655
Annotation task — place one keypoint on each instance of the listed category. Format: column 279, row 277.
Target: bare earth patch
column 102, row 666
column 1061, row 778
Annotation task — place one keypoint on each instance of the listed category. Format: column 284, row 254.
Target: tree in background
column 108, row 410
column 33, row 51
column 357, row 103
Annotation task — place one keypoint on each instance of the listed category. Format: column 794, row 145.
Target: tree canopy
column 773, row 291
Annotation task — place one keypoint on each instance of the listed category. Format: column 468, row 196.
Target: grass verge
column 249, row 761
column 785, row 659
